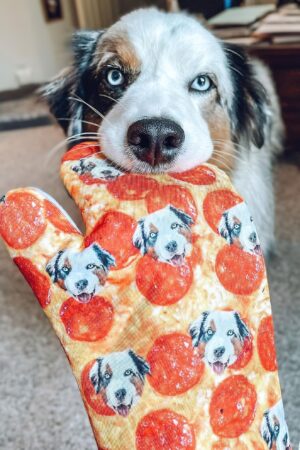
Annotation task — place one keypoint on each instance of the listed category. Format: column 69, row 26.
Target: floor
column 40, row 407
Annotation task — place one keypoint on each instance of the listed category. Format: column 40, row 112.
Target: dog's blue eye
column 91, row 266
column 66, row 269
column 115, row 77
column 128, row 372
column 230, row 333
column 152, row 234
column 174, row 226
column 210, row 332
column 107, row 376
column 237, row 226
column 202, row 83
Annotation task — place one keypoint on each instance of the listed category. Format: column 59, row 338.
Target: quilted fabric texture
column 162, row 307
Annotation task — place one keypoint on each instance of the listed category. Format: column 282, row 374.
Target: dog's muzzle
column 155, row 140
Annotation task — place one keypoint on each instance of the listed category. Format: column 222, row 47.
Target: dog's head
column 165, row 235
column 97, row 168
column 119, row 377
column 82, row 273
column 220, row 336
column 237, row 227
column 274, row 429
column 169, row 91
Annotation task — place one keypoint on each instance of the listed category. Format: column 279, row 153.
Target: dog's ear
column 184, row 217
column 141, row 364
column 139, row 238
column 61, row 91
column 266, row 431
column 196, row 328
column 244, row 332
column 95, row 375
column 52, row 267
column 104, row 257
column 250, row 101
column 224, row 229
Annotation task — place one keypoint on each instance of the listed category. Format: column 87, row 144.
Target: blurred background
column 40, row 407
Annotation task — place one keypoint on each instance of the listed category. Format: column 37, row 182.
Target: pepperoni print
column 22, row 219
column 87, row 321
column 131, row 187
column 232, row 407
column 57, row 218
column 114, row 232
column 161, row 283
column 239, row 272
column 165, row 430
column 176, row 366
column 266, row 344
column 81, row 151
column 94, row 400
column 39, row 283
column 177, row 196
column 201, row 175
column 216, row 203
column 245, row 355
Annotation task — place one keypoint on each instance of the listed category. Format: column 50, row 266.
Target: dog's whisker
column 80, row 100
column 83, row 121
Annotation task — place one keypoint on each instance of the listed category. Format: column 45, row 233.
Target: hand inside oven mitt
column 162, row 307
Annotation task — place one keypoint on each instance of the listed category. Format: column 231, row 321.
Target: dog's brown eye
column 115, row 77
column 128, row 372
column 202, row 83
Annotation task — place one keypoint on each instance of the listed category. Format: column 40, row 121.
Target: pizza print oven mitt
column 162, row 307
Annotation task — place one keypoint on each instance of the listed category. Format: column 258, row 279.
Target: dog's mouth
column 177, row 260
column 218, row 367
column 85, row 297
column 257, row 250
column 123, row 410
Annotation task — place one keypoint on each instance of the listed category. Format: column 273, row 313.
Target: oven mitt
column 162, row 307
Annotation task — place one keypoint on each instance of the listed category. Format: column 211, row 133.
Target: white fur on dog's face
column 274, row 429
column 81, row 273
column 119, row 377
column 220, row 336
column 172, row 50
column 237, row 227
column 98, row 168
column 165, row 235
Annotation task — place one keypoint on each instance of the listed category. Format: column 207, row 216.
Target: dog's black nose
column 81, row 284
column 156, row 140
column 120, row 394
column 218, row 352
column 253, row 237
column 171, row 246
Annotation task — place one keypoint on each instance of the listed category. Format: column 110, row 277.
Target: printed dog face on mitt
column 97, row 168
column 120, row 377
column 81, row 273
column 165, row 235
column 238, row 228
column 274, row 429
column 221, row 336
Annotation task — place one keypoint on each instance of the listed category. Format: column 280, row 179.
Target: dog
column 274, row 429
column 220, row 335
column 120, row 377
column 81, row 273
column 165, row 235
column 237, row 227
column 173, row 96
column 97, row 168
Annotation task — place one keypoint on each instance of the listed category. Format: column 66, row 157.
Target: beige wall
column 31, row 49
